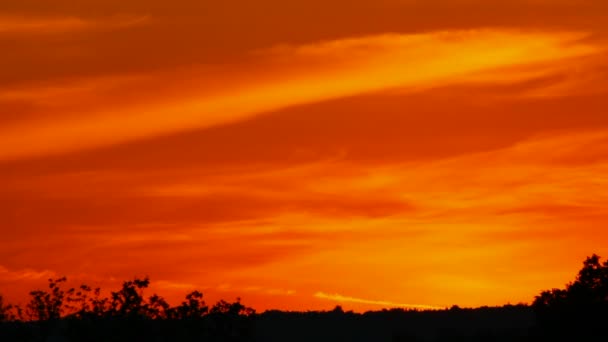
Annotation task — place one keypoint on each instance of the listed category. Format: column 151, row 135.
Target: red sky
column 304, row 154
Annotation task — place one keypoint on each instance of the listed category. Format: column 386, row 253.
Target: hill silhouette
column 577, row 312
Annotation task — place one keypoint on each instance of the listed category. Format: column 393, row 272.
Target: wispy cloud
column 300, row 75
column 174, row 285
column 54, row 25
column 384, row 303
column 470, row 213
column 255, row 289
column 25, row 274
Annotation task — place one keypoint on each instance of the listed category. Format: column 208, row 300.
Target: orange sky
column 304, row 154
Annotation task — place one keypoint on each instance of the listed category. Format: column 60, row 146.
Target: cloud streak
column 259, row 229
column 314, row 73
column 63, row 25
column 383, row 303
column 7, row 275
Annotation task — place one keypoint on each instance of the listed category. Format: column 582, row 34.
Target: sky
column 304, row 154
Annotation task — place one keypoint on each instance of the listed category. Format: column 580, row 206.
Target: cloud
column 383, row 303
column 26, row 274
column 173, row 285
column 55, row 25
column 465, row 215
column 256, row 289
column 294, row 76
column 437, row 164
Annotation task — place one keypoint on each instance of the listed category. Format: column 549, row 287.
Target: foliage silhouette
column 577, row 312
column 45, row 305
column 129, row 301
column 82, row 314
column 4, row 310
column 193, row 307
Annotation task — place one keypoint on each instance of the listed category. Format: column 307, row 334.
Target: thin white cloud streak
column 346, row 299
column 297, row 76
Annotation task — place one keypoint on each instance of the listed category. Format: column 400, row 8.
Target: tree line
column 83, row 314
column 85, row 302
column 579, row 310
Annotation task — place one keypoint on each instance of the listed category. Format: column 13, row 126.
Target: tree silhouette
column 591, row 284
column 581, row 309
column 82, row 314
column 86, row 302
column 193, row 307
column 129, row 301
column 236, row 308
column 45, row 305
column 4, row 310
column 577, row 312
column 157, row 307
column 229, row 320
